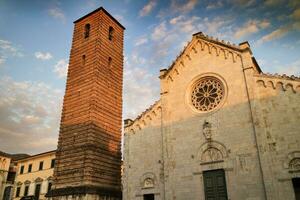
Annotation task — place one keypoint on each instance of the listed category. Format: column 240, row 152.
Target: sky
column 35, row 42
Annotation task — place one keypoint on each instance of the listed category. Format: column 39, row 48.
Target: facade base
column 84, row 193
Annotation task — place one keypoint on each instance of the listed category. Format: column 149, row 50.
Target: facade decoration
column 207, row 131
column 207, row 94
column 249, row 122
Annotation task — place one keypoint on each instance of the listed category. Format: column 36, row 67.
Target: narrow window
column 37, row 191
column 22, row 169
column 109, row 62
column 83, row 60
column 52, row 163
column 29, row 168
column 49, row 186
column 111, row 33
column 87, row 28
column 26, row 190
column 18, row 191
column 41, row 165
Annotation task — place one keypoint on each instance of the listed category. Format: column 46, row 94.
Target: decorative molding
column 212, row 152
column 203, row 43
column 278, row 83
column 144, row 119
column 148, row 180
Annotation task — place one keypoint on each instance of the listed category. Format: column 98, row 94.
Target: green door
column 215, row 185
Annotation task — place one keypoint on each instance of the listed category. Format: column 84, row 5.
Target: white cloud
column 57, row 13
column 141, row 88
column 29, row 116
column 43, row 56
column 214, row 5
column 160, row 31
column 140, row 41
column 250, row 27
column 8, row 49
column 184, row 6
column 2, row 60
column 175, row 20
column 61, row 68
column 276, row 34
column 147, row 8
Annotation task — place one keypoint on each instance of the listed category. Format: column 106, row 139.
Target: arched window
column 111, row 33
column 87, row 28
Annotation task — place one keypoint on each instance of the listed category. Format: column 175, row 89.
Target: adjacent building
column 4, row 172
column 34, row 176
column 222, row 129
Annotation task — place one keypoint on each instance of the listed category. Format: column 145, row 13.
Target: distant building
column 34, row 175
column 222, row 129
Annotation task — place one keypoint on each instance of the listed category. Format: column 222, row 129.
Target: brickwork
column 88, row 154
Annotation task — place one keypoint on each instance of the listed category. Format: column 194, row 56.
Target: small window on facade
column 18, row 191
column 111, row 33
column 29, row 168
column 52, row 163
column 49, row 186
column 41, row 165
column 26, row 190
column 87, row 28
column 109, row 62
column 22, row 169
column 83, row 60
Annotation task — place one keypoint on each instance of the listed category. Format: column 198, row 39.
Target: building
column 222, row 129
column 4, row 171
column 8, row 173
column 34, row 176
column 89, row 146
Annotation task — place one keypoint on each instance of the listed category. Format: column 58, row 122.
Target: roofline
column 36, row 155
column 105, row 11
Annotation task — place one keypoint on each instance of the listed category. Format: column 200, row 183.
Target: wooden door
column 215, row 185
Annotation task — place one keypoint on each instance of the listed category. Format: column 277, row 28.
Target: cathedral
column 222, row 129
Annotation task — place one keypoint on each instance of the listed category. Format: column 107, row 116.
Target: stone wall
column 251, row 123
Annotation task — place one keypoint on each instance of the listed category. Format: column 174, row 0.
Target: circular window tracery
column 207, row 93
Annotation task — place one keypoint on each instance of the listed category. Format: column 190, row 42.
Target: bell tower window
column 111, row 33
column 87, row 28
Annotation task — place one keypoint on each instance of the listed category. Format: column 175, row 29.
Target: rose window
column 207, row 94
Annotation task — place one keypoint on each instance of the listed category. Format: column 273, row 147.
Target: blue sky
column 35, row 41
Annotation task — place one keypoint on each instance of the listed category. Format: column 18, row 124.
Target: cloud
column 7, row 49
column 140, row 41
column 147, row 8
column 145, row 90
column 280, row 32
column 250, row 27
column 175, row 20
column 29, row 116
column 57, row 13
column 61, row 68
column 160, row 31
column 296, row 14
column 214, row 5
column 2, row 60
column 183, row 6
column 43, row 56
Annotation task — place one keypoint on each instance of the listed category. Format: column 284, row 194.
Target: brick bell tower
column 88, row 158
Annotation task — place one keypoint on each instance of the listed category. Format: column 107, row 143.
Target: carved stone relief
column 211, row 155
column 148, row 183
column 295, row 164
column 207, row 131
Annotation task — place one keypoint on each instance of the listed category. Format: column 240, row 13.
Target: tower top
column 99, row 9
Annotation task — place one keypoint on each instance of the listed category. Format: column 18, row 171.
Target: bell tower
column 88, row 158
